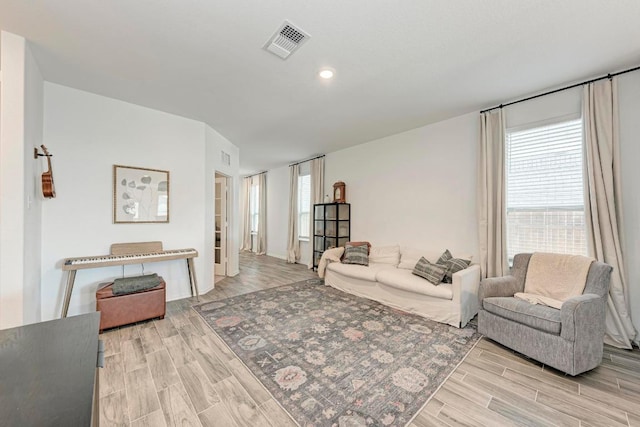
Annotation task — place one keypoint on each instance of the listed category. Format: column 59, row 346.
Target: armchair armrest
column 583, row 318
column 465, row 291
column 505, row 286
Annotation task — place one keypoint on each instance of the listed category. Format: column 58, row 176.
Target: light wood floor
column 176, row 372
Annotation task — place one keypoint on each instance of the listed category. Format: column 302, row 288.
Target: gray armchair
column 569, row 339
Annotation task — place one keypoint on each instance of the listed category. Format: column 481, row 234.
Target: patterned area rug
column 333, row 359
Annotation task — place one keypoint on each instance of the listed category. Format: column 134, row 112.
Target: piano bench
column 118, row 310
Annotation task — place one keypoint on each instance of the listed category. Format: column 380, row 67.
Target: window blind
column 544, row 190
column 304, row 205
column 254, row 207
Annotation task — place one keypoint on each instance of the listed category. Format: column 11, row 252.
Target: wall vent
column 225, row 158
column 286, row 40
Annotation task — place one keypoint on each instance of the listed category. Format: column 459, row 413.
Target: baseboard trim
column 279, row 256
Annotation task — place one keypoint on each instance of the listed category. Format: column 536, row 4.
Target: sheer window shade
column 545, row 196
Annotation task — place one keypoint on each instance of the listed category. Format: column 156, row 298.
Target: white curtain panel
column 603, row 204
column 261, row 248
column 246, row 214
column 317, row 190
column 491, row 195
column 293, row 245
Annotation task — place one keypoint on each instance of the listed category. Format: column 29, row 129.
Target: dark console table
column 48, row 374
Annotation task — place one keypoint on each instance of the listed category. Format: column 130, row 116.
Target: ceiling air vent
column 286, row 40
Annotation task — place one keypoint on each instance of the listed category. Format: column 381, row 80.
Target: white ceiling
column 399, row 64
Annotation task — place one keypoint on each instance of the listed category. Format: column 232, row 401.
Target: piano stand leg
column 67, row 292
column 192, row 279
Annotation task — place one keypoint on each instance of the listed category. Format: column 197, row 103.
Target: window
column 304, row 206
column 254, row 207
column 544, row 188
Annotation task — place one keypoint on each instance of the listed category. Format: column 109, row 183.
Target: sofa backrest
column 519, row 269
column 409, row 257
column 384, row 255
column 598, row 279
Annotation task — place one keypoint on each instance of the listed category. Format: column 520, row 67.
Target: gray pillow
column 356, row 255
column 446, row 256
column 432, row 272
column 453, row 266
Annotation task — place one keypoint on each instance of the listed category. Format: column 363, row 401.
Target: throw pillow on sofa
column 363, row 243
column 356, row 255
column 452, row 264
column 434, row 273
column 446, row 256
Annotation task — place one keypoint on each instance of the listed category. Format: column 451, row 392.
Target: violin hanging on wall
column 48, row 189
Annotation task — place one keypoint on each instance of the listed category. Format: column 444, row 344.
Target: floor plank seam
column 126, row 394
column 193, row 407
column 445, row 380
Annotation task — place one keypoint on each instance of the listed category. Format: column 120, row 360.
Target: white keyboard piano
column 108, row 260
column 128, row 253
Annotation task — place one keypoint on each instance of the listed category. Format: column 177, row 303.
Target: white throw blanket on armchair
column 554, row 278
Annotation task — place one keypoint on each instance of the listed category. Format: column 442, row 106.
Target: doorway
column 221, row 200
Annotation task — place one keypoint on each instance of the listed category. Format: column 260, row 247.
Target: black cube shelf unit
column 331, row 227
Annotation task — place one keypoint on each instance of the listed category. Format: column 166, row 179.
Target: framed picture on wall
column 140, row 195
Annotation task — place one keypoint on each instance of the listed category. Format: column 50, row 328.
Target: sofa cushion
column 359, row 271
column 540, row 317
column 409, row 257
column 385, row 255
column 356, row 255
column 400, row 278
column 433, row 273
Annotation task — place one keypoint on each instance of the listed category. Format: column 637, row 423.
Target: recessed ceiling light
column 326, row 73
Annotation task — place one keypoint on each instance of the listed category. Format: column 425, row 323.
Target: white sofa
column 389, row 280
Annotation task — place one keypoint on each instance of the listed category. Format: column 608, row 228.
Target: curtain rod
column 308, row 160
column 255, row 174
column 608, row 76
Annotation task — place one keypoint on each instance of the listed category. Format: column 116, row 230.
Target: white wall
column 415, row 188
column 88, row 134
column 277, row 212
column 20, row 197
column 543, row 109
column 34, row 104
column 215, row 144
column 12, row 186
column 629, row 101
